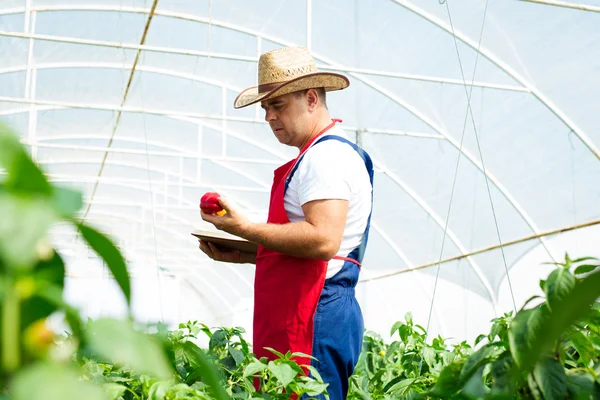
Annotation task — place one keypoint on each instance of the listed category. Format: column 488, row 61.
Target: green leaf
column 218, row 339
column 585, row 259
column 474, row 388
column 237, row 355
column 53, row 382
column 253, row 368
column 479, row 339
column 293, row 365
column 580, row 385
column 105, row 248
column 404, row 332
column 66, row 202
column 559, row 284
column 300, row 354
column 584, row 269
column 584, row 347
column 48, row 272
column 283, row 372
column 571, row 308
column 119, row 343
column 534, row 387
column 278, row 354
column 448, row 382
column 551, row 379
column 114, row 390
column 481, row 357
column 429, row 355
column 25, row 222
column 206, row 369
column 503, row 374
column 159, row 390
column 399, row 388
column 314, row 373
column 23, row 175
column 314, row 388
column 524, row 333
column 395, row 328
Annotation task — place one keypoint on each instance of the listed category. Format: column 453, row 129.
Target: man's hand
column 232, row 222
column 230, row 256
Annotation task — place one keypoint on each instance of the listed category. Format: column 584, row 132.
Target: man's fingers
column 225, row 204
column 204, row 246
column 217, row 255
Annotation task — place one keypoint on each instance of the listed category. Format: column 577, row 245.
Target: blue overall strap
column 359, row 252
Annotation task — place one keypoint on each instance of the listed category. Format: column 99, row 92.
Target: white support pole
column 30, row 79
column 308, row 24
column 564, row 4
column 199, row 157
column 224, row 121
column 330, row 67
column 180, row 186
column 258, row 53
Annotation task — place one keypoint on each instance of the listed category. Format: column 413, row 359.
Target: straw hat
column 286, row 70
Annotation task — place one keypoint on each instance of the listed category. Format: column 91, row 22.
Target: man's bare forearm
column 300, row 239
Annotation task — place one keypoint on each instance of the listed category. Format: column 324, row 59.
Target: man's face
column 287, row 116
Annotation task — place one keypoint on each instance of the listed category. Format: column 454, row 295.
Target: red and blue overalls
column 296, row 309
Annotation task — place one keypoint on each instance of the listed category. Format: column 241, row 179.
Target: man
column 310, row 249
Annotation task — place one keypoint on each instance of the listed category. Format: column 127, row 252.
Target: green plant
column 237, row 369
column 32, row 364
column 551, row 351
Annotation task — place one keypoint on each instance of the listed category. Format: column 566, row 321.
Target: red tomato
column 209, row 203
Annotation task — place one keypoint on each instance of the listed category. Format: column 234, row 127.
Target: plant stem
column 11, row 355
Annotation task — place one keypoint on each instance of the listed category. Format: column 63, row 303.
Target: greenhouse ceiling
column 481, row 117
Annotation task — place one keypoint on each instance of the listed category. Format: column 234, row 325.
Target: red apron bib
column 286, row 288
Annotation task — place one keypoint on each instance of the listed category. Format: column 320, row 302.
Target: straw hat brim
column 327, row 80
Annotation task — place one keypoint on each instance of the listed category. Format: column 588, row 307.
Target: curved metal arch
column 43, row 143
column 438, row 220
column 190, row 17
column 503, row 190
column 115, row 65
column 130, row 165
column 388, row 94
column 196, row 119
column 394, row 98
column 175, row 233
column 167, row 230
column 366, row 81
column 409, row 264
column 507, row 69
column 404, row 104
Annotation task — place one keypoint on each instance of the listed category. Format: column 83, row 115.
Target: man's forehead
column 268, row 102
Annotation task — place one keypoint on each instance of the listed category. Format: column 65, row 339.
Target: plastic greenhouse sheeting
column 481, row 117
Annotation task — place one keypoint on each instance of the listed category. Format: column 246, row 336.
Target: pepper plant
column 32, row 364
column 550, row 351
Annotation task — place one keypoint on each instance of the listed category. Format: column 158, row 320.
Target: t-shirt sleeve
column 326, row 172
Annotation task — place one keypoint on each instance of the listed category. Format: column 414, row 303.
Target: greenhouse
column 480, row 118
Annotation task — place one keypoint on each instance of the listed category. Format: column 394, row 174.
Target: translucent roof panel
column 481, row 118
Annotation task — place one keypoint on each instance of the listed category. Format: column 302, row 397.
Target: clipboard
column 225, row 241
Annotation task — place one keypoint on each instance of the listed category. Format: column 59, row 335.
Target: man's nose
column 269, row 115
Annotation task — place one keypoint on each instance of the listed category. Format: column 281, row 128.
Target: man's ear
column 312, row 98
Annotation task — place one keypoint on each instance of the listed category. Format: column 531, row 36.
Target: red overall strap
column 352, row 260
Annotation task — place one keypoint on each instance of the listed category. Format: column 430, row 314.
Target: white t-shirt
column 333, row 170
